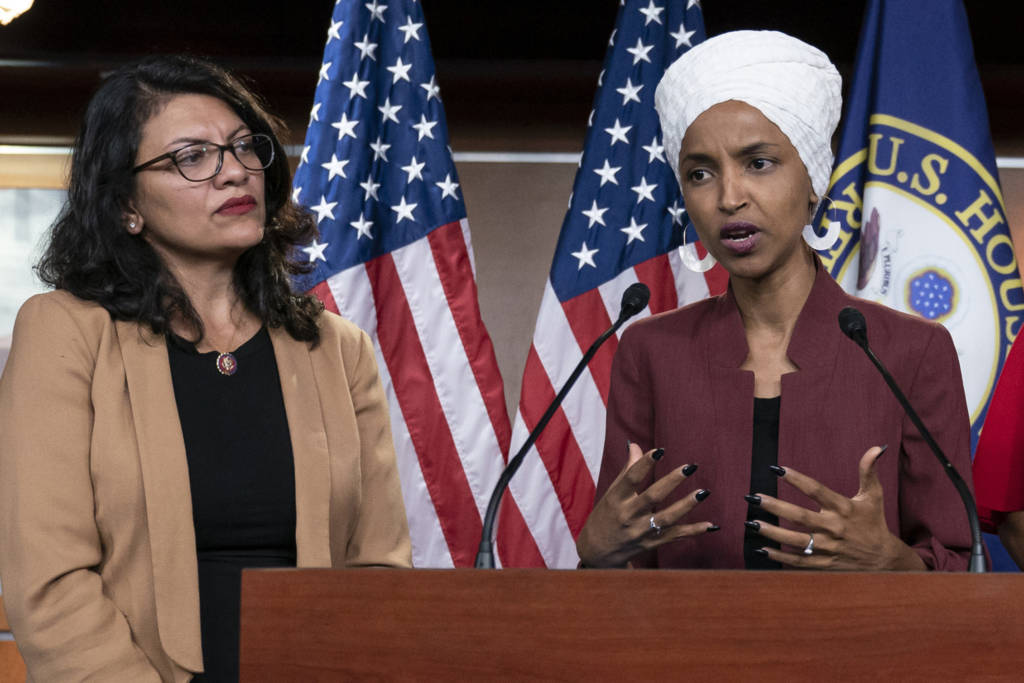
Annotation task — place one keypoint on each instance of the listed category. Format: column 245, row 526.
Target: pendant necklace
column 227, row 364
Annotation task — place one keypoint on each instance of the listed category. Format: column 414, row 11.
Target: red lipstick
column 237, row 206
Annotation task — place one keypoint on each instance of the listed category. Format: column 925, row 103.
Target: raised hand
column 846, row 533
column 624, row 522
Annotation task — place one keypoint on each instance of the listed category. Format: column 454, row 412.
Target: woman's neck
column 226, row 320
column 774, row 302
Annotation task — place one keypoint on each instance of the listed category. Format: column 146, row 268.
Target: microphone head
column 634, row 300
column 853, row 325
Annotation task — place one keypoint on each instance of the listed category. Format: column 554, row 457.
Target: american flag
column 625, row 222
column 394, row 257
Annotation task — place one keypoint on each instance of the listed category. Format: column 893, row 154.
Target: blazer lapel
column 167, row 492
column 309, row 448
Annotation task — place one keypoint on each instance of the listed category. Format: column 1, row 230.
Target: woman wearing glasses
column 173, row 411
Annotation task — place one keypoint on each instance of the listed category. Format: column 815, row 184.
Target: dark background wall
column 497, row 61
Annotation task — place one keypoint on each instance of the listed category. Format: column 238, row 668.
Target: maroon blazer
column 677, row 383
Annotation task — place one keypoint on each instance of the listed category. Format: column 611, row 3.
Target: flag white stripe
column 353, row 295
column 457, row 390
column 559, row 353
column 538, row 502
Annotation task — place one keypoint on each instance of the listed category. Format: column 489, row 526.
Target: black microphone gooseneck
column 634, row 300
column 851, row 322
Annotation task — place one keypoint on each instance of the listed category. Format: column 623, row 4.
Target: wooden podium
column 588, row 625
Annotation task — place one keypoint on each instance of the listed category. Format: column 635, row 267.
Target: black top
column 762, row 479
column 242, row 478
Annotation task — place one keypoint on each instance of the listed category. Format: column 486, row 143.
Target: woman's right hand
column 624, row 522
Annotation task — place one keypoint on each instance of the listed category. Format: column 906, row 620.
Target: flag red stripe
column 456, row 274
column 657, row 274
column 421, row 408
column 588, row 319
column 323, row 292
column 515, row 541
column 557, row 446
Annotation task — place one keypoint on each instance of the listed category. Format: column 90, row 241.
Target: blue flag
column 917, row 192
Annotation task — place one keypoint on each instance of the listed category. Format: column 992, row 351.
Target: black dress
column 762, row 479
column 242, row 478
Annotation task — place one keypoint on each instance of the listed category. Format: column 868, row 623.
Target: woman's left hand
column 848, row 533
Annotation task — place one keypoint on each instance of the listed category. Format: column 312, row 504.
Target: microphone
column 853, row 325
column 634, row 300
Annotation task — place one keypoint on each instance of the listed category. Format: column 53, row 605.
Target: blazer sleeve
column 932, row 519
column 630, row 418
column 381, row 534
column 50, row 547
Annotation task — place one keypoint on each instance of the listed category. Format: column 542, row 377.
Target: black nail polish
column 752, row 499
column 882, row 451
column 761, row 551
column 702, row 494
column 689, row 470
column 713, row 527
column 779, row 471
column 628, row 444
column 656, row 455
column 752, row 524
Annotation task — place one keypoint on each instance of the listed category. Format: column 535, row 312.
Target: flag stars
column 607, row 173
column 595, row 214
column 335, row 167
column 314, row 113
column 654, row 151
column 376, row 10
column 651, row 13
column 585, row 257
column 682, row 36
column 629, row 92
column 432, row 89
column 345, row 127
column 424, row 128
column 366, row 48
column 362, row 227
column 411, row 30
column 333, row 32
column 389, row 111
column 618, row 133
column 324, row 209
column 644, row 191
column 414, row 169
column 676, row 212
column 315, row 251
column 356, row 87
column 400, row 71
column 296, row 191
column 403, row 210
column 634, row 231
column 380, row 150
column 325, row 69
column 448, row 187
column 304, row 156
column 369, row 189
column 640, row 52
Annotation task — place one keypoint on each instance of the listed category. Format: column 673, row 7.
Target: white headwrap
column 793, row 84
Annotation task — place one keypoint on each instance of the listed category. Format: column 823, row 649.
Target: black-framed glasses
column 203, row 160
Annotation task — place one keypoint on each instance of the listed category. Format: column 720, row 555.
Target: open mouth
column 739, row 237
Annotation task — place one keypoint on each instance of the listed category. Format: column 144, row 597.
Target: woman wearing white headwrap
column 762, row 376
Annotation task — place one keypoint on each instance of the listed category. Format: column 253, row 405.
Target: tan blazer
column 97, row 545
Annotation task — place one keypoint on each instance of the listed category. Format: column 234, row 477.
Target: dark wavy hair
column 90, row 253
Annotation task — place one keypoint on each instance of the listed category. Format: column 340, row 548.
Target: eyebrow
column 749, row 150
column 191, row 140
